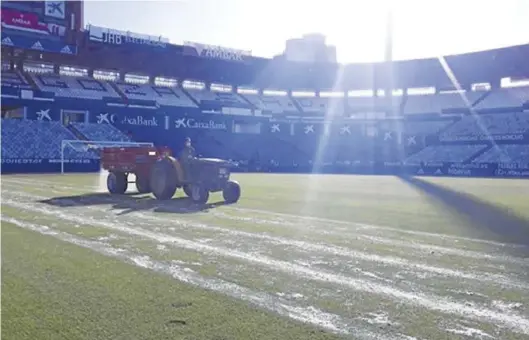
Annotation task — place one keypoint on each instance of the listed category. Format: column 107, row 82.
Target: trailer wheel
column 117, row 183
column 142, row 184
column 163, row 181
column 232, row 192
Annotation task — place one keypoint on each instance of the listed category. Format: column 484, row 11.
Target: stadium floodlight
column 90, row 146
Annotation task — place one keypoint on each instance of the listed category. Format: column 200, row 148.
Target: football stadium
column 151, row 190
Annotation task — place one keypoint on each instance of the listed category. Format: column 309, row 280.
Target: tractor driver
column 187, row 156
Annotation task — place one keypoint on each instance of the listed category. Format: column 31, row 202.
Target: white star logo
column 309, row 129
column 103, row 118
column 388, row 135
column 275, row 128
column 180, row 123
column 43, row 114
column 411, row 140
column 345, row 130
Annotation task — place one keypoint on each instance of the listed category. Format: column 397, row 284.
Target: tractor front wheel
column 231, row 192
column 117, row 183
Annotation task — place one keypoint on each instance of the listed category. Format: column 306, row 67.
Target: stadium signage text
column 511, row 173
column 217, row 52
column 71, row 161
column 21, row 161
column 29, row 22
column 140, row 121
column 513, row 166
column 191, row 123
column 469, row 166
column 116, row 37
column 510, row 137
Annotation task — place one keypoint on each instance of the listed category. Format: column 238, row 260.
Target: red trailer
column 122, row 161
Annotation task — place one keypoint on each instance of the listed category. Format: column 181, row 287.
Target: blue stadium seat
column 101, row 132
column 488, row 124
column 14, row 79
column 445, row 153
column 271, row 104
column 74, row 87
column 37, row 140
column 168, row 96
column 506, row 153
column 505, row 98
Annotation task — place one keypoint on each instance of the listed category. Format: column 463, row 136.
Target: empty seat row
column 29, row 139
column 509, row 153
column 101, row 132
column 74, row 87
column 445, row 153
column 488, row 124
column 14, row 79
column 506, row 97
column 169, row 96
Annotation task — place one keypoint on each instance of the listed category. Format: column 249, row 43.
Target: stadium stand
column 445, row 153
column 271, row 123
column 321, row 106
column 168, row 96
column 29, row 139
column 272, row 104
column 506, row 153
column 358, row 103
column 513, row 97
column 74, row 87
column 426, row 128
column 100, row 132
column 14, row 79
column 474, row 126
column 227, row 99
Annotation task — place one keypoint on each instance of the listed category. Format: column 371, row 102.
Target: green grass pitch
column 298, row 257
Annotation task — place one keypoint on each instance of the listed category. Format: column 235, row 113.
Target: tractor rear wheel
column 163, row 181
column 117, row 183
column 231, row 192
column 142, row 184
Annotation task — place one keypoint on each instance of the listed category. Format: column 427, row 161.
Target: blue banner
column 37, row 165
column 36, row 44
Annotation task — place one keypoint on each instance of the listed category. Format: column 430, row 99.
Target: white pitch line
column 396, row 242
column 315, row 247
column 313, row 218
column 276, row 304
column 510, row 320
column 398, row 262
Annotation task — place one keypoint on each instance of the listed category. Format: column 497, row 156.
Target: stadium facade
column 456, row 115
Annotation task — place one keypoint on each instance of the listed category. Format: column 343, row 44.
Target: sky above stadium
column 421, row 28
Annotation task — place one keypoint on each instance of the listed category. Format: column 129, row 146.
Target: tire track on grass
column 416, row 247
column 509, row 320
column 278, row 305
column 414, row 268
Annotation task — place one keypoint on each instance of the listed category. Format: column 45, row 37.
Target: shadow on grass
column 501, row 224
column 132, row 202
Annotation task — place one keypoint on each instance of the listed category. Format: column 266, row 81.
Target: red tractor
column 158, row 172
